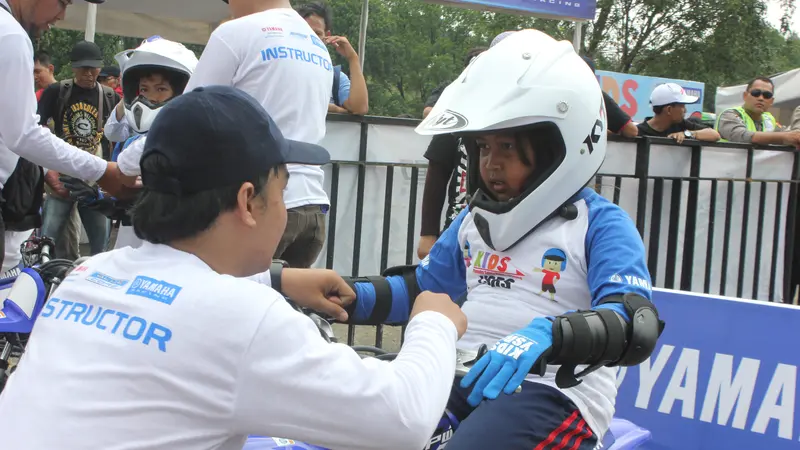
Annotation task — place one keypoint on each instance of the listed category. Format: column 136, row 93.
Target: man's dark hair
column 162, row 218
column 473, row 52
column 316, row 9
column 659, row 108
column 764, row 79
column 42, row 58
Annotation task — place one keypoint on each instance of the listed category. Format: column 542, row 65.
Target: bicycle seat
column 23, row 303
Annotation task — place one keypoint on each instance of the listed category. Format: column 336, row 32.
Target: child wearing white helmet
column 553, row 275
column 152, row 74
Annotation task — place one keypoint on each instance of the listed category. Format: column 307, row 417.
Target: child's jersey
column 563, row 265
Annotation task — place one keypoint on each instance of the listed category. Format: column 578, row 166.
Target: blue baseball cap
column 218, row 136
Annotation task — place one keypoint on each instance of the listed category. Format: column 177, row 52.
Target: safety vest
column 768, row 121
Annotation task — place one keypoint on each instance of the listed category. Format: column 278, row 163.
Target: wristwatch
column 275, row 272
column 688, row 134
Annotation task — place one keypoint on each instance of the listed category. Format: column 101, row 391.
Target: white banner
column 399, row 144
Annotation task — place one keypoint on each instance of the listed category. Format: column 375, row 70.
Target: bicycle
column 25, row 295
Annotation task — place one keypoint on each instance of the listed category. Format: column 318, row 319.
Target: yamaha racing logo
column 447, row 120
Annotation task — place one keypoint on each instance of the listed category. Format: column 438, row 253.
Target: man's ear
column 51, row 68
column 246, row 204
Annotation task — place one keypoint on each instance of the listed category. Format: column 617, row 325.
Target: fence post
column 790, row 281
column 691, row 220
column 641, row 171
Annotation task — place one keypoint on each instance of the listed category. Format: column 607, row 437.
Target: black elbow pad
column 383, row 292
column 602, row 337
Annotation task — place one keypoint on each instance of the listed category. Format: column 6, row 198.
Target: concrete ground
column 365, row 335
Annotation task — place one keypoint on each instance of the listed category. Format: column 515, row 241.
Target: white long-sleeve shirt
column 20, row 132
column 116, row 130
column 149, row 348
column 275, row 57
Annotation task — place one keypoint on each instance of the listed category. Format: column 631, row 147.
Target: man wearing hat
column 79, row 108
column 109, row 76
column 123, row 355
column 669, row 102
column 24, row 144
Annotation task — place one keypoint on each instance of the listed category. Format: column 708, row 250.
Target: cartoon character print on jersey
column 495, row 270
column 79, row 126
column 554, row 261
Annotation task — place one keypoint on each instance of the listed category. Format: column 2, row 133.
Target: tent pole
column 362, row 32
column 576, row 37
column 91, row 22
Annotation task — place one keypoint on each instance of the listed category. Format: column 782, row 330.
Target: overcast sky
column 774, row 14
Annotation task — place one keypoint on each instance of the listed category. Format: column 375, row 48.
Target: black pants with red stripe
column 538, row 418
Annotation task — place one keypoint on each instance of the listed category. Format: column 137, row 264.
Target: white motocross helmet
column 155, row 53
column 526, row 81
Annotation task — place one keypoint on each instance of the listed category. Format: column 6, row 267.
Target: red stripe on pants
column 552, row 437
column 568, row 437
column 585, row 434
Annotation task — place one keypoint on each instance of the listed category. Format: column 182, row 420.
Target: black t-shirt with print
column 448, row 150
column 646, row 130
column 78, row 125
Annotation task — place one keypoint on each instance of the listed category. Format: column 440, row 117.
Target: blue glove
column 509, row 361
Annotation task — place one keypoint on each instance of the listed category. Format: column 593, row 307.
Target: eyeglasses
column 759, row 93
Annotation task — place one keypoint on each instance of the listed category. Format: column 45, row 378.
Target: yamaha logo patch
column 447, row 120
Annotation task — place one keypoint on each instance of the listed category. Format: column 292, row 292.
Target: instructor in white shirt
column 162, row 347
column 271, row 53
column 22, row 140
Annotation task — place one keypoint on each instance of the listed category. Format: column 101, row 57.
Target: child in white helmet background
column 152, row 74
column 552, row 272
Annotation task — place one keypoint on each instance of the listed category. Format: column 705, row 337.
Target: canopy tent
column 187, row 21
column 787, row 96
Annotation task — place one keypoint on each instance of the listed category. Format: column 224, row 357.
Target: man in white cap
column 669, row 102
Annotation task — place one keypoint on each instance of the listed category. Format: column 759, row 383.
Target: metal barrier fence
column 711, row 232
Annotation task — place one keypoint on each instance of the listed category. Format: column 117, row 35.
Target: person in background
column 437, row 91
column 43, row 72
column 68, row 244
column 618, row 121
column 446, row 175
column 295, row 91
column 109, row 76
column 79, row 108
column 752, row 122
column 349, row 94
column 669, row 102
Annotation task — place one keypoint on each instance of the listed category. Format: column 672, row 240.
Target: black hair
column 556, row 258
column 473, row 52
column 42, row 58
column 764, row 79
column 176, row 81
column 161, row 218
column 307, row 10
column 659, row 108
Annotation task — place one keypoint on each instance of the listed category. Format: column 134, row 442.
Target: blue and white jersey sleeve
column 615, row 255
column 443, row 270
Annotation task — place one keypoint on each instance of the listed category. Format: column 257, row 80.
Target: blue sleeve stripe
column 365, row 303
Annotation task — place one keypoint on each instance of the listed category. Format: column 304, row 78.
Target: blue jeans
column 56, row 214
